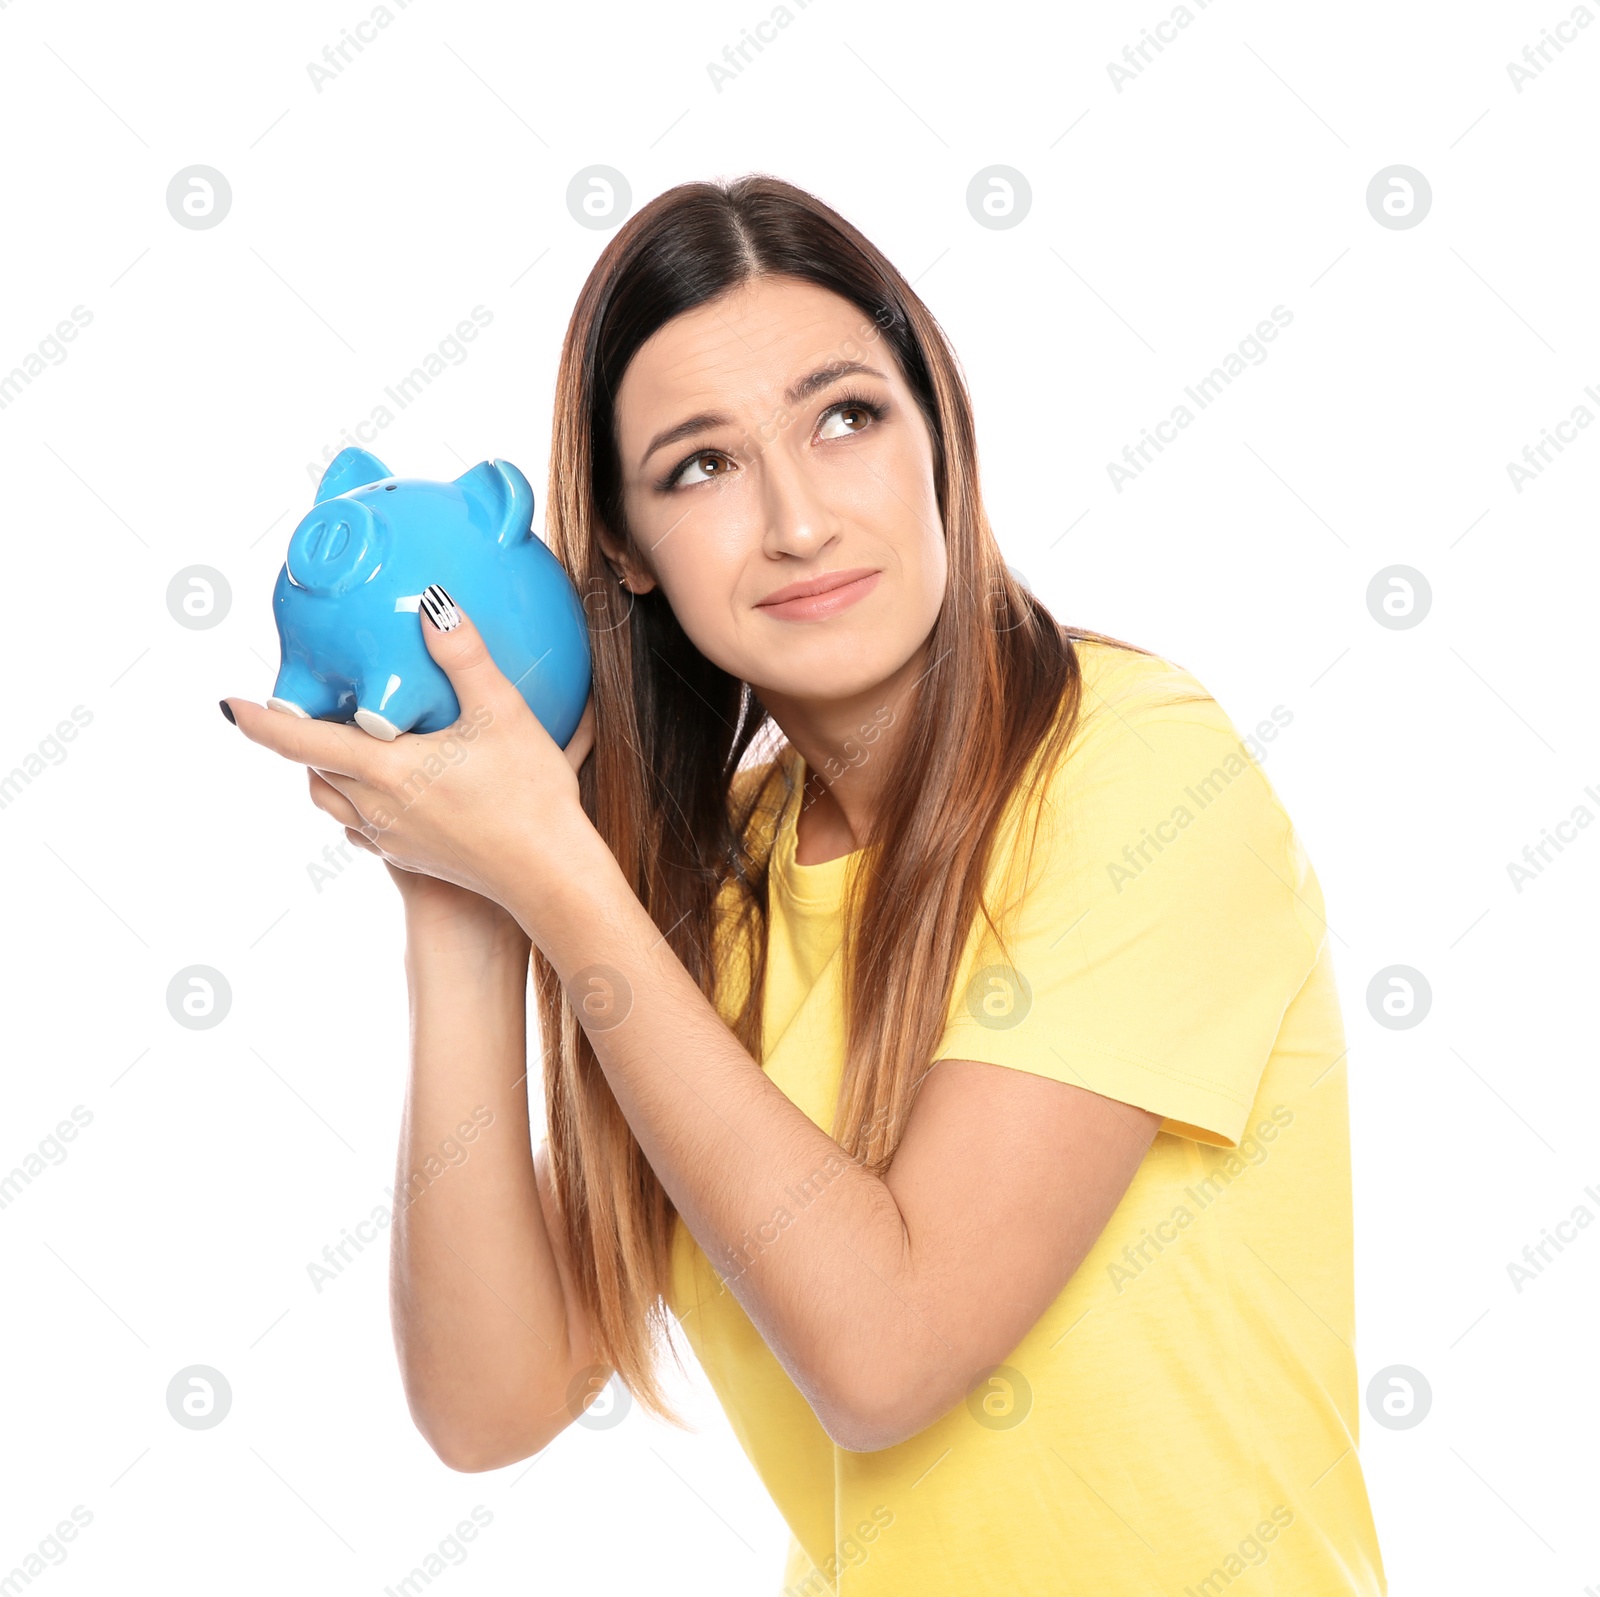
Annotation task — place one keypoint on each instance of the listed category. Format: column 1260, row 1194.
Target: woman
column 962, row 1072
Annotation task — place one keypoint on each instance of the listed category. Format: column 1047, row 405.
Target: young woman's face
column 750, row 465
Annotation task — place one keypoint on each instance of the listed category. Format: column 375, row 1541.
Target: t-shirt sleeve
column 1169, row 918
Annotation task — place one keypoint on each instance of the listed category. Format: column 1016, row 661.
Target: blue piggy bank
column 346, row 602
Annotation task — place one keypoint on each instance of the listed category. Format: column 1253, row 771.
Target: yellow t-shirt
column 1184, row 1417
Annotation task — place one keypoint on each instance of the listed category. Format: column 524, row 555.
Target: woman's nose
column 798, row 517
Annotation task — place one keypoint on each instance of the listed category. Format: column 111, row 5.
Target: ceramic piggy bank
column 347, row 599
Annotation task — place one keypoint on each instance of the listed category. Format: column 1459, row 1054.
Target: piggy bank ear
column 501, row 498
column 350, row 468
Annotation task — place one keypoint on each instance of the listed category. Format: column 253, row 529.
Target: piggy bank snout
column 334, row 547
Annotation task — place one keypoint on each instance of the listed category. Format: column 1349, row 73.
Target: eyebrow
column 822, row 377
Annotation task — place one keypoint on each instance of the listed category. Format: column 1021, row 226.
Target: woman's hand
column 438, row 901
column 450, row 813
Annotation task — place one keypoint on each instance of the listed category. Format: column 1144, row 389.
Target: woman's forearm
column 476, row 1298
column 808, row 1241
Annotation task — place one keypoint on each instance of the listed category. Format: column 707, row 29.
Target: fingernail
column 440, row 608
column 227, row 712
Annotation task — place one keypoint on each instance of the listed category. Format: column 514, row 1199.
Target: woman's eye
column 695, row 463
column 862, row 414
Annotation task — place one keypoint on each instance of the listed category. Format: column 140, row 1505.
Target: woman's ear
column 627, row 571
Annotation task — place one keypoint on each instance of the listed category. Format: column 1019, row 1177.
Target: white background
column 1167, row 219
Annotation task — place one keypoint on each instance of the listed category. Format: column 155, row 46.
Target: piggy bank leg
column 398, row 705
column 380, row 726
column 300, row 693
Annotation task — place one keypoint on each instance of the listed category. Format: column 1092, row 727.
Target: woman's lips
column 815, row 606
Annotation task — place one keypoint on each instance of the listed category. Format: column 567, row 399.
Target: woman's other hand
column 477, row 806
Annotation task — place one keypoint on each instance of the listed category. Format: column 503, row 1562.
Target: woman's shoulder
column 1152, row 739
column 1121, row 680
column 1141, row 710
column 1157, row 785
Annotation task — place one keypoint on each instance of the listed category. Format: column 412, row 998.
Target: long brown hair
column 1000, row 691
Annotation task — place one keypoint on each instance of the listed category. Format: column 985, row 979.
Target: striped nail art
column 440, row 608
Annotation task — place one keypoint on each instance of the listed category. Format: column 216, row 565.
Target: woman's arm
column 883, row 1298
column 479, row 1284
